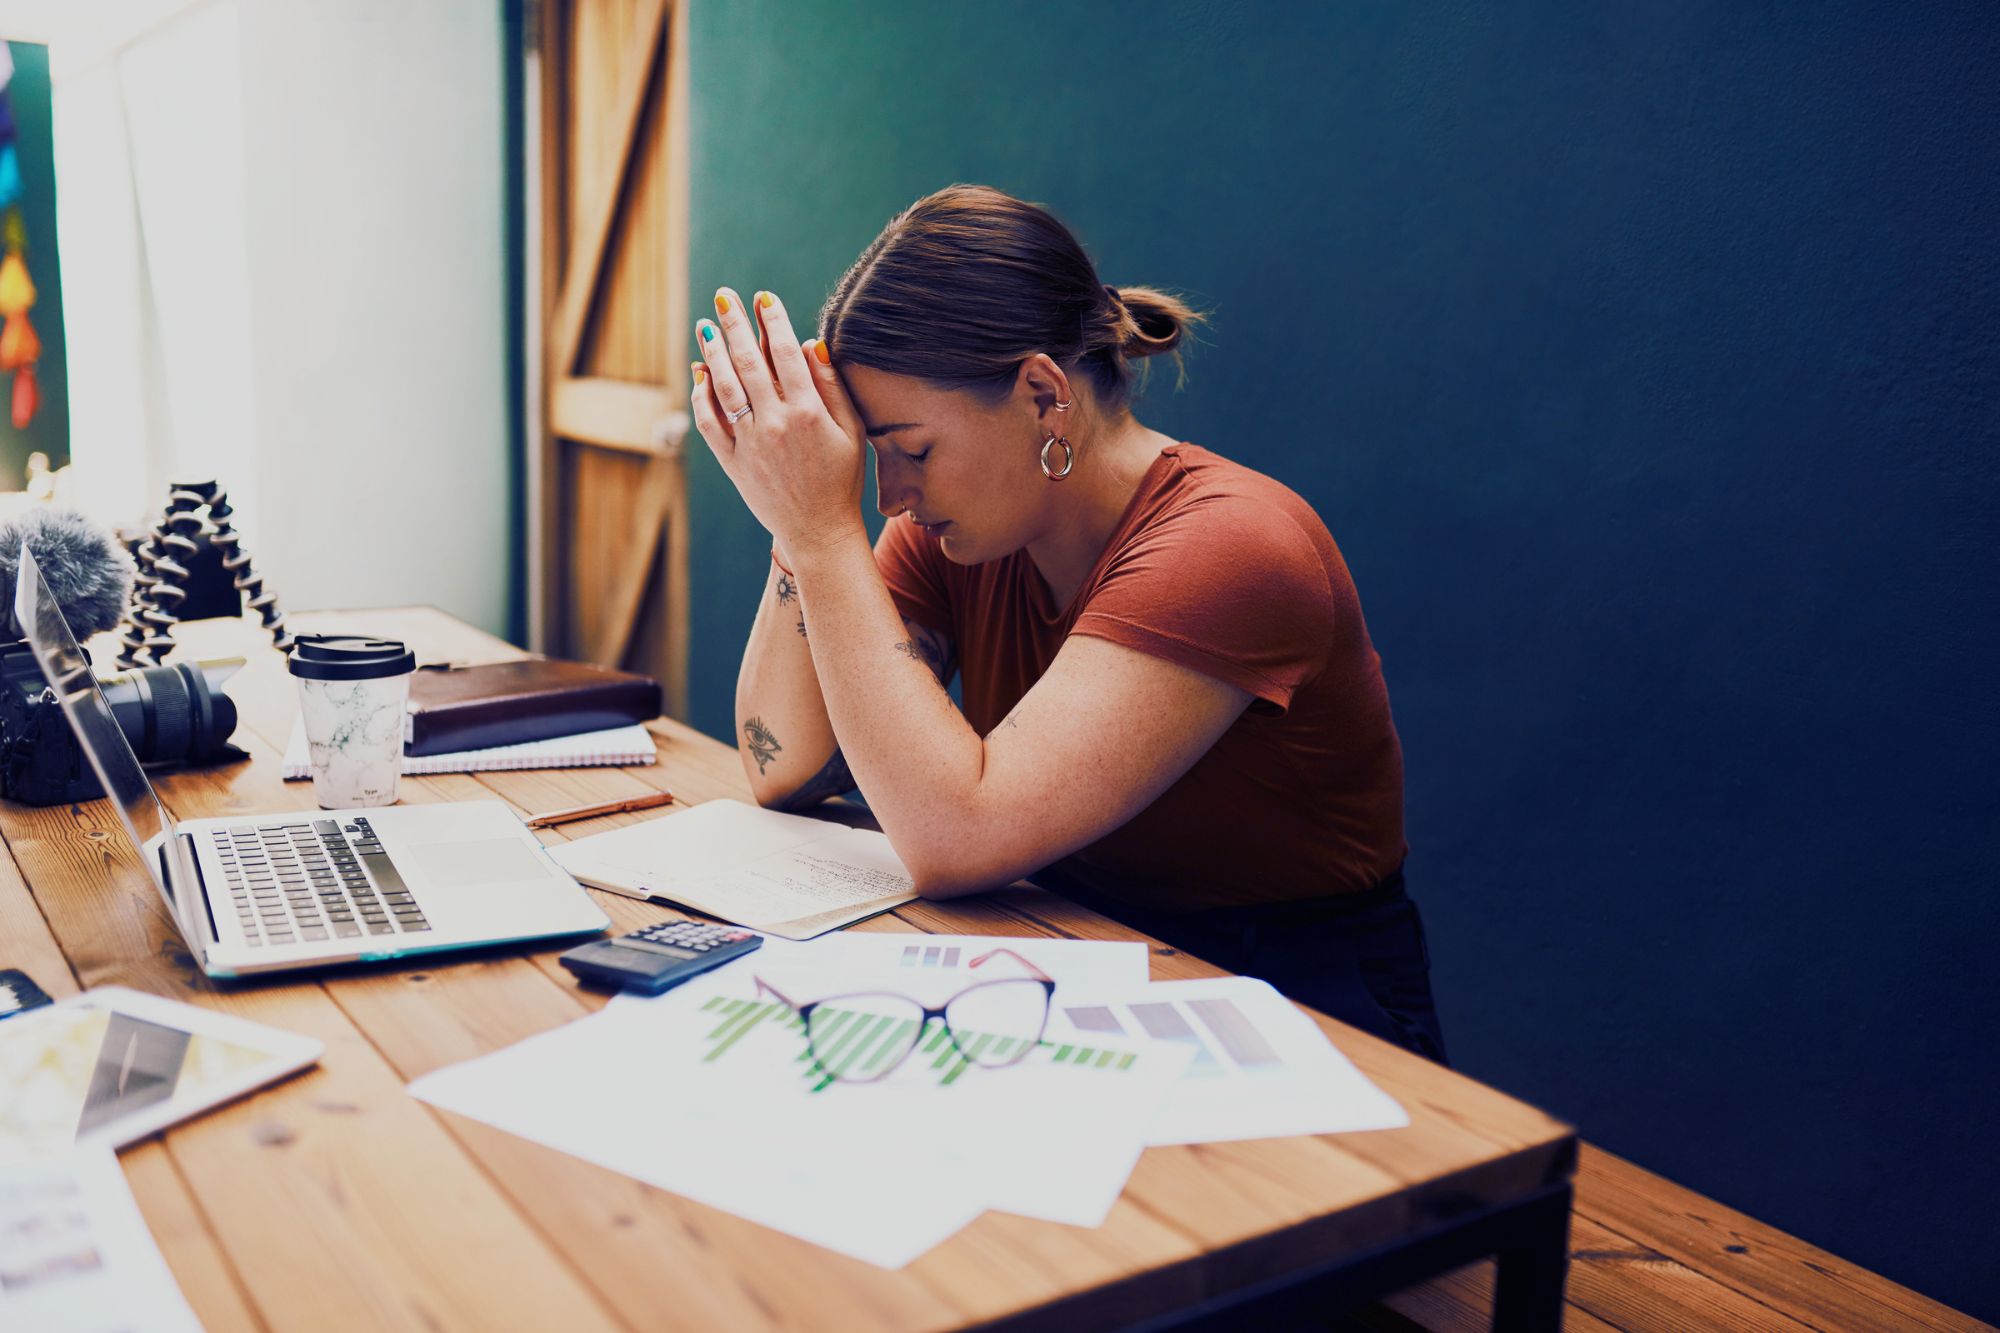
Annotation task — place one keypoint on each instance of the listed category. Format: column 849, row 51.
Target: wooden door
column 610, row 485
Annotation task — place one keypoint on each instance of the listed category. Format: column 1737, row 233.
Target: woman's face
column 965, row 471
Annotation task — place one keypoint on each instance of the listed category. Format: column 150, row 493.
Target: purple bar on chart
column 931, row 956
column 1165, row 1022
column 951, row 958
column 1239, row 1036
column 911, row 952
column 1094, row 1018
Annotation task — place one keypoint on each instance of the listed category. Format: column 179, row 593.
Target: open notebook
column 782, row 874
column 587, row 749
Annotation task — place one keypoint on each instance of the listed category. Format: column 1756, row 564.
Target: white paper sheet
column 1054, row 1136
column 706, row 1091
column 1260, row 1068
column 600, row 1089
column 930, row 967
column 774, row 872
column 920, row 962
column 75, row 1254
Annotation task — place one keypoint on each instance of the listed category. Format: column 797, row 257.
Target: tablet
column 112, row 1065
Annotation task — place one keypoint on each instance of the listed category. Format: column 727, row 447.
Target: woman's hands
column 796, row 456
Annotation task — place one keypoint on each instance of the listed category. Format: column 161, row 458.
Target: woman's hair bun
column 1152, row 322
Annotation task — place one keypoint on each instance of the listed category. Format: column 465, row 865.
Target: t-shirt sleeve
column 1229, row 587
column 914, row 568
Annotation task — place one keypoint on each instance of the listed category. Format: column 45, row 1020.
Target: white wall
column 320, row 272
column 373, row 151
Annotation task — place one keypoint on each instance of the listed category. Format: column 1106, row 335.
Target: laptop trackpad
column 485, row 861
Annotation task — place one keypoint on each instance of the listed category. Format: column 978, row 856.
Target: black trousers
column 1357, row 957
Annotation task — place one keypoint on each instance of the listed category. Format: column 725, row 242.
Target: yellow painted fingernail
column 819, row 350
column 721, row 304
column 700, row 374
column 765, row 300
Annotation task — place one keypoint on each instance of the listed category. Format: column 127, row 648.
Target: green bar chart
column 856, row 1045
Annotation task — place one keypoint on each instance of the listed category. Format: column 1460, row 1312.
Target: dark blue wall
column 1644, row 366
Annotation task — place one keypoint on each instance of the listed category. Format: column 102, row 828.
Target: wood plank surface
column 336, row 1200
column 190, row 1247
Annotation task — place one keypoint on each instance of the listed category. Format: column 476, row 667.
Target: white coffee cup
column 353, row 692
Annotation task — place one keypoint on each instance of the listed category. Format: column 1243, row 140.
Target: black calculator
column 659, row 957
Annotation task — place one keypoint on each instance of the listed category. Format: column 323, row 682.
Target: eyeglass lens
column 858, row 1038
column 998, row 1022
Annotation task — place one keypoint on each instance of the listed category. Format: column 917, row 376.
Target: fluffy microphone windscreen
column 89, row 574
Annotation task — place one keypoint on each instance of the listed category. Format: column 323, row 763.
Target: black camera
column 170, row 714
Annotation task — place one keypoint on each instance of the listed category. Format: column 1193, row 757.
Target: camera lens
column 170, row 713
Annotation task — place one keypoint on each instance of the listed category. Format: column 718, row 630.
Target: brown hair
column 965, row 284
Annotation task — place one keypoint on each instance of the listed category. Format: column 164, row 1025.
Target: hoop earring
column 1069, row 454
column 1069, row 458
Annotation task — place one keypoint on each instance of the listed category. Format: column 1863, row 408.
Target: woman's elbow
column 937, row 890
column 951, row 877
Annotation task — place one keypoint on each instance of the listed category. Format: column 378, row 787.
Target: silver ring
column 738, row 414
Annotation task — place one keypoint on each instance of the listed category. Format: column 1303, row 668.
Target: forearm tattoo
column 930, row 648
column 831, row 780
column 802, row 627
column 761, row 744
column 788, row 591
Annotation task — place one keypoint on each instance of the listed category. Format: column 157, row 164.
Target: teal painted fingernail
column 707, row 332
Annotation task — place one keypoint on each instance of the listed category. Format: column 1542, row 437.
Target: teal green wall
column 29, row 94
column 1643, row 361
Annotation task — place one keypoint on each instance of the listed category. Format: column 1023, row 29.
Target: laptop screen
column 66, row 669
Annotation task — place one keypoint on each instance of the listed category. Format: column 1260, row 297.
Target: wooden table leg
column 1532, row 1266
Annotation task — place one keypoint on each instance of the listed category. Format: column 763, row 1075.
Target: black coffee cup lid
column 349, row 657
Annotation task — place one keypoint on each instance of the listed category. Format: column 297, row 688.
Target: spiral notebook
column 586, row 749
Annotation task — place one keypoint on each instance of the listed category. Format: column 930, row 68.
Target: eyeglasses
column 863, row 1036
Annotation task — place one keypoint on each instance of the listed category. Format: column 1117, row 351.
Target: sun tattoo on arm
column 788, row 590
column 761, row 744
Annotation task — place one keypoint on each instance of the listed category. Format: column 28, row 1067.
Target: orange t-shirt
column 1227, row 572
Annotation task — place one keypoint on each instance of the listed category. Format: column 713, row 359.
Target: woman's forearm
column 905, row 742
column 782, row 733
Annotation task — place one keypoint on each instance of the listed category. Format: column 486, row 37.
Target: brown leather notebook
column 456, row 708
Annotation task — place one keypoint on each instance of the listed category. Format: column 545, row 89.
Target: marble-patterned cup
column 354, row 692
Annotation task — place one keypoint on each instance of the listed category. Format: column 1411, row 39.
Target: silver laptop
column 326, row 886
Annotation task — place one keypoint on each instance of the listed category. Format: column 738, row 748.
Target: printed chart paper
column 710, row 1091
column 936, row 965
column 1259, row 1068
column 75, row 1254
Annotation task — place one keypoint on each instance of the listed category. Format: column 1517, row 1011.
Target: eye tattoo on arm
column 763, row 746
column 788, row 591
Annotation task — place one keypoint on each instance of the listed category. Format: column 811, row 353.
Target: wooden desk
column 336, row 1201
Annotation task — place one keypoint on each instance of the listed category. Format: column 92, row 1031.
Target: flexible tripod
column 197, row 514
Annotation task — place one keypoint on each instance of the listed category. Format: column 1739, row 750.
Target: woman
column 1172, row 710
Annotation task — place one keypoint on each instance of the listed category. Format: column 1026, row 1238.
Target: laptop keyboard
column 311, row 880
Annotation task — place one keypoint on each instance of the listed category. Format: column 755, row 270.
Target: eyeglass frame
column 804, row 1011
